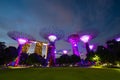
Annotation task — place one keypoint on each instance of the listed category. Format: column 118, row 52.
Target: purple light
column 118, row 39
column 52, row 38
column 22, row 41
column 75, row 44
column 55, row 51
column 65, row 51
column 91, row 47
column 85, row 38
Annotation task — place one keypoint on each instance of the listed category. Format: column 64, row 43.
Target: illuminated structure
column 91, row 47
column 115, row 37
column 118, row 39
column 21, row 38
column 85, row 37
column 52, row 35
column 38, row 48
column 65, row 51
column 74, row 39
column 25, row 48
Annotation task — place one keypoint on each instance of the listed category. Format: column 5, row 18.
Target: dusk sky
column 30, row 16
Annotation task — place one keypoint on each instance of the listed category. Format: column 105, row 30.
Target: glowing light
column 118, row 39
column 96, row 58
column 55, row 51
column 91, row 47
column 45, row 44
column 85, row 38
column 65, row 51
column 75, row 44
column 22, row 41
column 35, row 42
column 52, row 38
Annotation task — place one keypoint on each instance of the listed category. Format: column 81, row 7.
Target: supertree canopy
column 52, row 34
column 20, row 35
column 21, row 38
column 115, row 37
column 74, row 39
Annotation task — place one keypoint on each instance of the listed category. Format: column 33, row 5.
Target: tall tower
column 22, row 39
column 74, row 39
column 52, row 34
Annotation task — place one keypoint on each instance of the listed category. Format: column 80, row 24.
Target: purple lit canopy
column 118, row 39
column 20, row 37
column 51, row 33
column 85, row 38
column 73, row 38
column 87, row 35
column 52, row 38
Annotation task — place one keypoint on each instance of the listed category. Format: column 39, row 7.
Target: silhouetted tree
column 104, row 54
column 10, row 54
column 114, row 49
column 2, row 51
column 64, row 59
column 35, row 59
column 74, row 59
column 23, row 58
column 90, row 55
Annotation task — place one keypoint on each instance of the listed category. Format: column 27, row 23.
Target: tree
column 104, row 54
column 10, row 54
column 64, row 59
column 74, row 59
column 23, row 58
column 35, row 59
column 114, row 49
column 2, row 51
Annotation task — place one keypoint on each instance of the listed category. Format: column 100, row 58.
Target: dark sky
column 31, row 16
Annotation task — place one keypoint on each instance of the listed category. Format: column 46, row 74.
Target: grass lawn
column 66, row 73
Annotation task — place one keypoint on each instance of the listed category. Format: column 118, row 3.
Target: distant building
column 38, row 48
column 25, row 48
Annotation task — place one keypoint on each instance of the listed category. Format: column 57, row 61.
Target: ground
column 61, row 73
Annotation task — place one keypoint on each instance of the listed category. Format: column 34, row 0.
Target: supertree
column 86, row 36
column 74, row 39
column 116, row 37
column 52, row 34
column 21, row 38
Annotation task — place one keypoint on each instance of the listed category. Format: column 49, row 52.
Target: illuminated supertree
column 74, row 39
column 85, row 37
column 51, row 34
column 21, row 38
column 115, row 37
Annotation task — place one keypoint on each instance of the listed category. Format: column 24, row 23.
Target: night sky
column 30, row 16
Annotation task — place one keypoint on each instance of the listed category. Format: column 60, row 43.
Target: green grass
column 66, row 73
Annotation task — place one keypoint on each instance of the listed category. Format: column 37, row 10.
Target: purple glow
column 85, row 38
column 118, row 39
column 22, row 41
column 55, row 51
column 91, row 47
column 65, row 51
column 52, row 38
column 75, row 44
